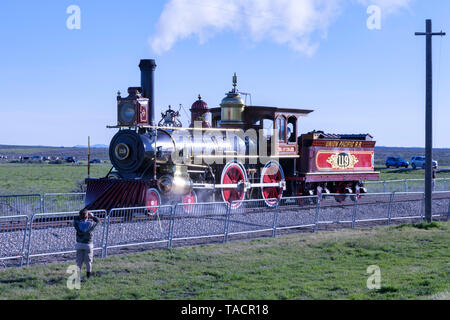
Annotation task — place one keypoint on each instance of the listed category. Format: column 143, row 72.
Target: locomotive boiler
column 229, row 153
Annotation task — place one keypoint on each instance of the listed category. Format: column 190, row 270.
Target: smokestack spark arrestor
column 147, row 67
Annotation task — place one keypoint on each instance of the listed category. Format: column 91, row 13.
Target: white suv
column 419, row 162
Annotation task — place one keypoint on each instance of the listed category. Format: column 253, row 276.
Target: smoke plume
column 298, row 24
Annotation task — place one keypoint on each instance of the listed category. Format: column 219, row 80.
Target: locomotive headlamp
column 122, row 151
column 127, row 113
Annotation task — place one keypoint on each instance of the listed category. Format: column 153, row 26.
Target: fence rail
column 13, row 234
column 63, row 202
column 408, row 185
column 27, row 204
column 43, row 234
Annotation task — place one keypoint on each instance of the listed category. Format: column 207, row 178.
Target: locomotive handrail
column 175, row 128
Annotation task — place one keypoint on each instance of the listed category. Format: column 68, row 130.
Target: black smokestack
column 147, row 67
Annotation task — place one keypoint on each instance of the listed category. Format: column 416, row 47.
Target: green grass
column 402, row 174
column 45, row 178
column 414, row 262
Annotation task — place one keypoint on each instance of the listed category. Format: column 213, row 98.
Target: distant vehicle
column 36, row 158
column 419, row 162
column 95, row 161
column 70, row 160
column 396, row 162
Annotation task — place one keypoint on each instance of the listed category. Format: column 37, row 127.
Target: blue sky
column 58, row 85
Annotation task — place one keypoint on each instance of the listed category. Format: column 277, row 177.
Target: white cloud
column 299, row 24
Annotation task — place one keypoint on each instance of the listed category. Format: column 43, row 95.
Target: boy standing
column 85, row 246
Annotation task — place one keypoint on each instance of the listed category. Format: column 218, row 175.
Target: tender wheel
column 233, row 173
column 272, row 173
column 320, row 190
column 188, row 201
column 153, row 200
column 342, row 190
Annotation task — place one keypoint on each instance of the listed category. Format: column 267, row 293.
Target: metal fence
column 408, row 185
column 63, row 202
column 53, row 234
column 198, row 221
column 128, row 227
column 27, row 204
column 13, row 233
column 22, row 237
column 252, row 216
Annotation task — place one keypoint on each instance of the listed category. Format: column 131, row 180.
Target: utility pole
column 429, row 118
column 89, row 156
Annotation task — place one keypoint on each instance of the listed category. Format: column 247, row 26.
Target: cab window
column 292, row 130
column 281, row 126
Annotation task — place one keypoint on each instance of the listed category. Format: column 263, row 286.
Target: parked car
column 396, row 162
column 71, row 160
column 95, row 161
column 419, row 162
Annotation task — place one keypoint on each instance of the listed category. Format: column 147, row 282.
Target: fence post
column 42, row 204
column 422, row 209
column 30, row 231
column 445, row 184
column 384, row 186
column 275, row 220
column 172, row 221
column 227, row 222
column 316, row 216
column 105, row 234
column 406, row 186
column 448, row 211
column 355, row 208
column 391, row 203
column 24, row 241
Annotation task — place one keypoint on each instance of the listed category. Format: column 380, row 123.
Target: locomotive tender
column 229, row 153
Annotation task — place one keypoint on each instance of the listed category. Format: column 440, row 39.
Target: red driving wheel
column 272, row 173
column 188, row 201
column 153, row 200
column 233, row 173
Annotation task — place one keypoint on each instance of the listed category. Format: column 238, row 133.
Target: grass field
column 45, row 178
column 401, row 174
column 414, row 263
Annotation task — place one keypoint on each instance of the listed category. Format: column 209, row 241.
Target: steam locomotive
column 229, row 153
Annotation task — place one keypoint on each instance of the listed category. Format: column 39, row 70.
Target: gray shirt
column 84, row 230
